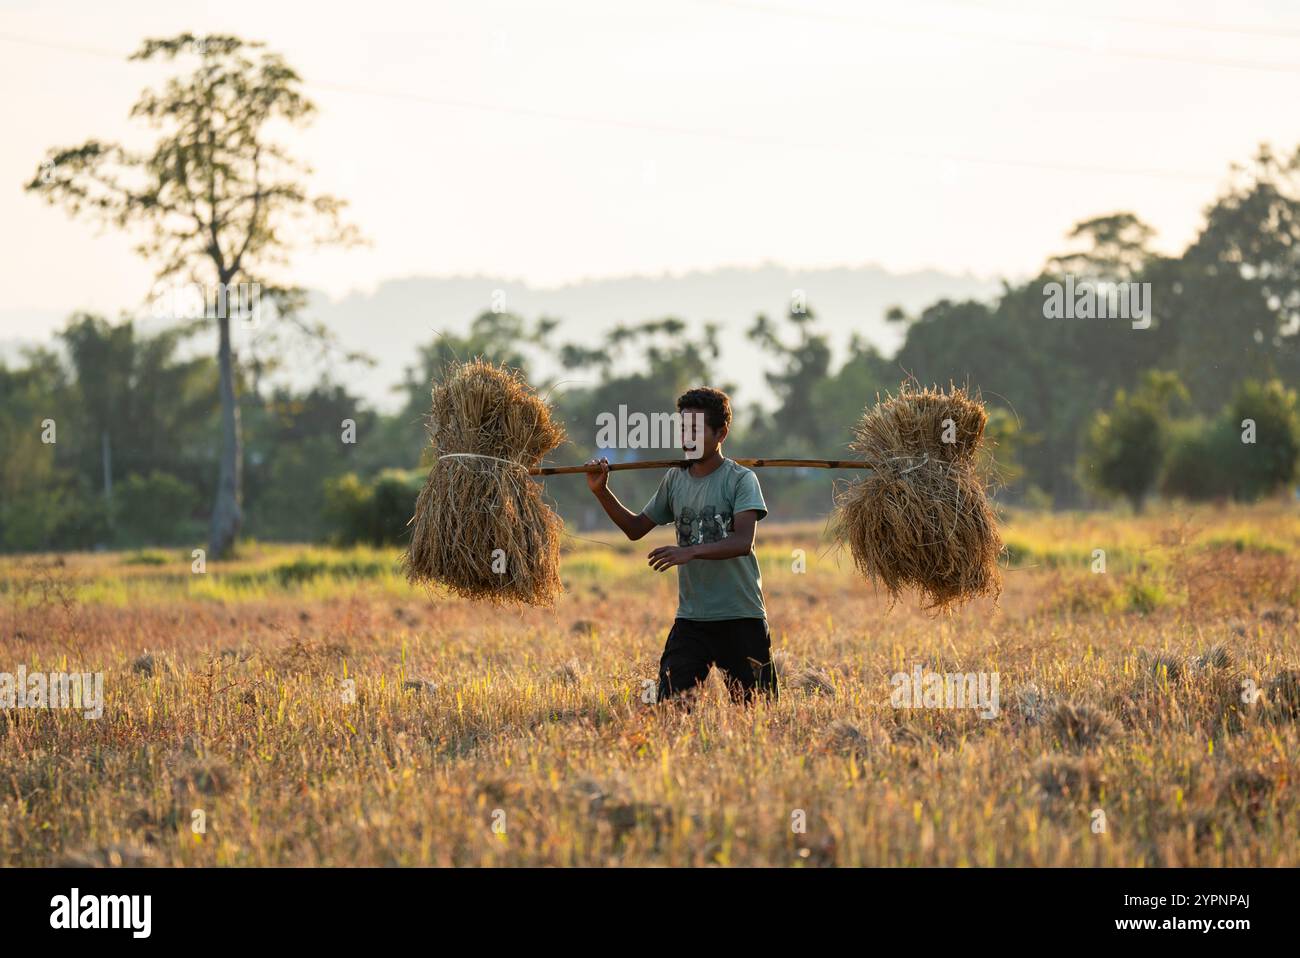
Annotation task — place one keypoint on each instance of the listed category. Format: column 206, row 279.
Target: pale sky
column 577, row 138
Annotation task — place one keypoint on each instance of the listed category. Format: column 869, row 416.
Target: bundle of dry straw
column 481, row 527
column 921, row 517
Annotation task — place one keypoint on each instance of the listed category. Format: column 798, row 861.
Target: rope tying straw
column 475, row 455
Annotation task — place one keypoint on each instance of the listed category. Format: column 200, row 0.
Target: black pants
column 741, row 648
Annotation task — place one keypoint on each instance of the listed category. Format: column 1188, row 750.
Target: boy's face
column 699, row 439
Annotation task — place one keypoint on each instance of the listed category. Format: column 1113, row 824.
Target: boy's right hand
column 597, row 482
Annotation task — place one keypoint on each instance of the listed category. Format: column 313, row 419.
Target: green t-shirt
column 703, row 511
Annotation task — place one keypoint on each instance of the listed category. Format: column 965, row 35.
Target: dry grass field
column 303, row 706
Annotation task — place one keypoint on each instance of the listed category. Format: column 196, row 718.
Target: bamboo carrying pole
column 669, row 463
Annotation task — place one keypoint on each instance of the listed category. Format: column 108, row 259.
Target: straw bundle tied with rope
column 920, row 517
column 481, row 527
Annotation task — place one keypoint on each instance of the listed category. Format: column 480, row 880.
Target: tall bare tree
column 216, row 202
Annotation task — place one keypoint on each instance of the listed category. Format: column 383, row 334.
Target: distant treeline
column 114, row 439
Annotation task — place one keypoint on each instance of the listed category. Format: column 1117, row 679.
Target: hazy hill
column 400, row 314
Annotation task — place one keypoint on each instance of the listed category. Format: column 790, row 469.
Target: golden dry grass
column 226, row 694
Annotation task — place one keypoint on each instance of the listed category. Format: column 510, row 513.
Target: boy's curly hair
column 715, row 403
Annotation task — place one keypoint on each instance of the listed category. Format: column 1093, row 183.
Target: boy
column 715, row 504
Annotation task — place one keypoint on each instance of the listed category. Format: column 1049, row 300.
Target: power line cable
column 1093, row 50
column 750, row 139
column 1250, row 30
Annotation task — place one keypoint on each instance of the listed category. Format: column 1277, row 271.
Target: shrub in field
column 147, row 557
column 61, row 515
column 1125, row 446
column 375, row 512
column 1145, row 597
column 305, row 569
column 1273, row 459
column 156, row 508
column 1198, row 463
column 1250, row 450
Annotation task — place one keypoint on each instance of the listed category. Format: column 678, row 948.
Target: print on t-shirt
column 708, row 525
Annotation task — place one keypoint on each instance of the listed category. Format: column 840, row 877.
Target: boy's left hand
column 665, row 557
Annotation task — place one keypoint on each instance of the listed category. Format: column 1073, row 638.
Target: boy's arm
column 738, row 542
column 634, row 525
